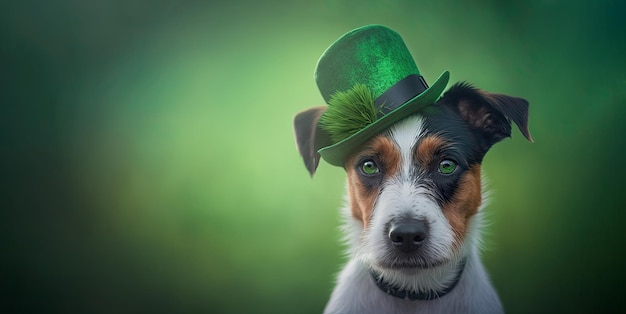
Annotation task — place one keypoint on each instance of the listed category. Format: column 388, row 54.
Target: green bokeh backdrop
column 148, row 162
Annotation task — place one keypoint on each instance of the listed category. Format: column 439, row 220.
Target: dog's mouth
column 413, row 262
column 425, row 257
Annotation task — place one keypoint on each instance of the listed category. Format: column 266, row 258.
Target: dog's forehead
column 445, row 126
column 419, row 136
column 433, row 130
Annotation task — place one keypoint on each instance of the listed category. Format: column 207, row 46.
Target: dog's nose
column 408, row 235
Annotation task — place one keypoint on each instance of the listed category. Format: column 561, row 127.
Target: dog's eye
column 369, row 167
column 447, row 166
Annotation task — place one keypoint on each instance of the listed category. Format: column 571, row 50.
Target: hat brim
column 337, row 153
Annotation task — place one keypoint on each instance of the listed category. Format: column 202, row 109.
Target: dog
column 414, row 209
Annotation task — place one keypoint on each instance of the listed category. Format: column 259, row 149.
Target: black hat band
column 398, row 94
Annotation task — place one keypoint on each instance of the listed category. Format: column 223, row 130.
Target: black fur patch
column 462, row 147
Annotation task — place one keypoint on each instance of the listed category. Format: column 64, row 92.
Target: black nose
column 408, row 235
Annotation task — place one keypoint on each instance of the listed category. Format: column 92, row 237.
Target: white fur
column 356, row 291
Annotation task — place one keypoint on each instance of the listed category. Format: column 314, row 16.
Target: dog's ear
column 309, row 137
column 488, row 113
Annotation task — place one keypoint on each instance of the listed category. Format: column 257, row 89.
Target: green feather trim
column 348, row 112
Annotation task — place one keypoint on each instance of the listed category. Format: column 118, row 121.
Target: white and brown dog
column 414, row 211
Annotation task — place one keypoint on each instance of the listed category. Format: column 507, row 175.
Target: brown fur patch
column 464, row 203
column 427, row 149
column 362, row 199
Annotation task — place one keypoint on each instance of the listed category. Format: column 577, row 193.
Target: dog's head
column 414, row 189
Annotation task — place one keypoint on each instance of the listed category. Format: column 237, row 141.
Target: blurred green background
column 148, row 163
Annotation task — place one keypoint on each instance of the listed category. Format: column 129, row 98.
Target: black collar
column 414, row 295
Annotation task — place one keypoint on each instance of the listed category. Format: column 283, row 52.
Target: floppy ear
column 309, row 137
column 488, row 113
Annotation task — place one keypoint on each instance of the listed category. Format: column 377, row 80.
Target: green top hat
column 369, row 81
